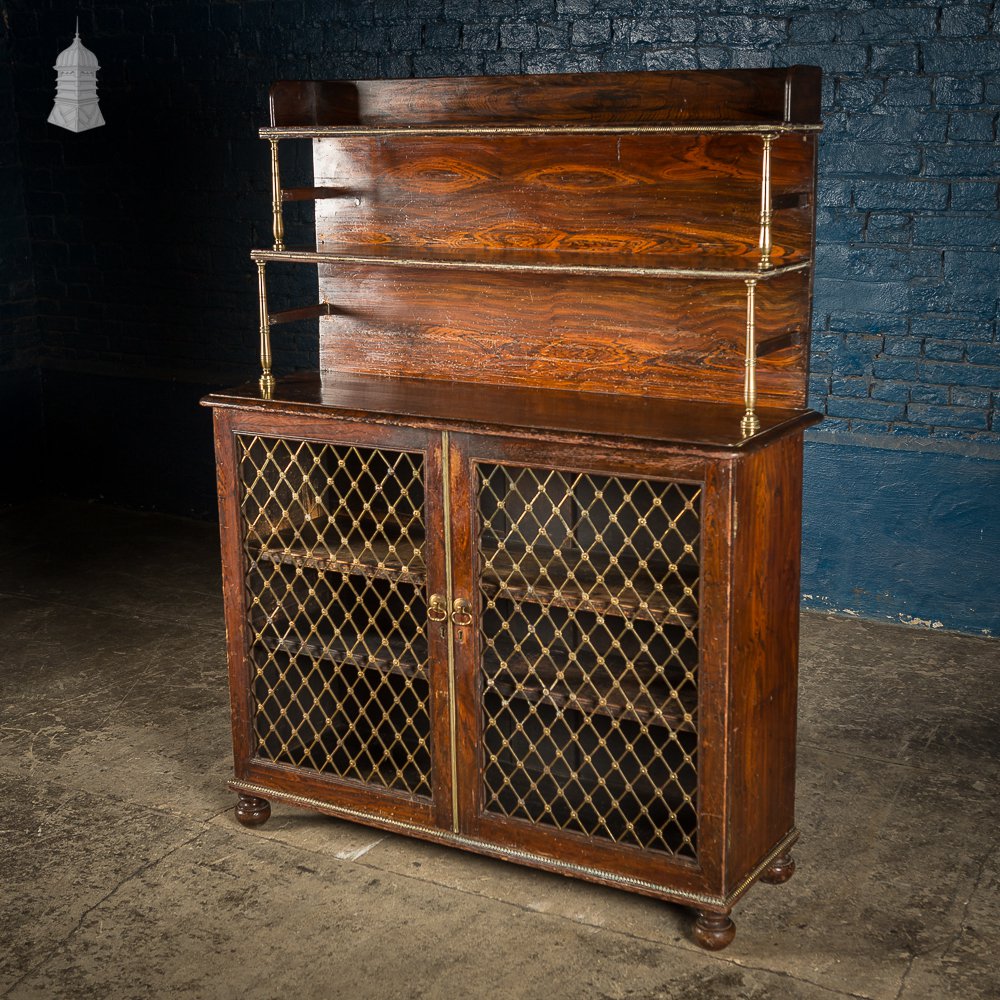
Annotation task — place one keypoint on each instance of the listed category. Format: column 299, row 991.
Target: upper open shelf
column 626, row 233
column 534, row 260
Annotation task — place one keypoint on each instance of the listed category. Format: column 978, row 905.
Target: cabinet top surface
column 560, row 414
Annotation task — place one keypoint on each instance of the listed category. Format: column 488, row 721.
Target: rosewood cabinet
column 517, row 569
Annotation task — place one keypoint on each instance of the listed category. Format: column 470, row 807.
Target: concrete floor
column 124, row 874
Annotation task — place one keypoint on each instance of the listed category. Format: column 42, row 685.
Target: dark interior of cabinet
column 589, row 634
column 589, row 653
column 337, row 605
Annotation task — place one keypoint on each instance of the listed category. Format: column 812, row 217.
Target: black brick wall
column 140, row 230
column 20, row 384
column 18, row 327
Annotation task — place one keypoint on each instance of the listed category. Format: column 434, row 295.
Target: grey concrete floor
column 124, row 874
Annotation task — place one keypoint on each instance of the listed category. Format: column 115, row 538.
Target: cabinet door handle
column 462, row 612
column 438, row 610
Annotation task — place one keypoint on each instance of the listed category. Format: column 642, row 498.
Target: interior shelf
column 538, row 680
column 528, row 679
column 518, row 576
column 393, row 657
column 513, row 574
column 401, row 560
column 662, row 265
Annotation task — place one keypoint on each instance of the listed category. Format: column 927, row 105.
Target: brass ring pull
column 438, row 610
column 462, row 613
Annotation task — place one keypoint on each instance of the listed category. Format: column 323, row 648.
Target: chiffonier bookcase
column 517, row 569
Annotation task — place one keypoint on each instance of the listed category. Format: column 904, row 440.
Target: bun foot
column 714, row 931
column 781, row 870
column 251, row 811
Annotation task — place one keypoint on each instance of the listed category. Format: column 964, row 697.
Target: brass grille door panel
column 337, row 611
column 588, row 655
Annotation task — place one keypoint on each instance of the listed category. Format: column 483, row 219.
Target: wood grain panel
column 583, row 98
column 793, row 170
column 614, row 195
column 764, row 635
column 639, row 425
column 782, row 311
column 671, row 338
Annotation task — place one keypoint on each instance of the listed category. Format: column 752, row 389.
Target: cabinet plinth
column 517, row 571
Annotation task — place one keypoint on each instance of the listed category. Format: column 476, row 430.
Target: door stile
column 437, row 555
column 465, row 633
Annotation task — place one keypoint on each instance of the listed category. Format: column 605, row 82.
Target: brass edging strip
column 321, row 131
column 318, row 257
column 452, row 707
column 755, row 873
column 510, row 852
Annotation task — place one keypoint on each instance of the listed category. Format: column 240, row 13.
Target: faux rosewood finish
column 679, row 339
column 548, row 273
column 629, row 422
column 438, row 234
column 767, row 95
column 640, row 196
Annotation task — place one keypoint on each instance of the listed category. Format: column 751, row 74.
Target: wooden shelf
column 517, row 576
column 373, row 559
column 511, row 574
column 539, row 681
column 540, row 261
column 393, row 657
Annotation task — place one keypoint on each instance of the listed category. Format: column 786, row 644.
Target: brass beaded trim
column 723, row 902
column 321, row 257
column 333, row 131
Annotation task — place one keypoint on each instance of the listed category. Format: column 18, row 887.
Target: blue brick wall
column 140, row 231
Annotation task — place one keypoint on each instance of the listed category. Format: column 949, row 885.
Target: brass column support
column 766, row 214
column 750, row 423
column 279, row 222
column 266, row 378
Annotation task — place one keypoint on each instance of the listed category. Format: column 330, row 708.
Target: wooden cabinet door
column 586, row 683
column 333, row 535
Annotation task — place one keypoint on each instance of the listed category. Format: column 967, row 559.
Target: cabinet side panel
column 764, row 653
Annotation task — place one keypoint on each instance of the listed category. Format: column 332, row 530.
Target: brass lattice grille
column 337, row 609
column 589, row 645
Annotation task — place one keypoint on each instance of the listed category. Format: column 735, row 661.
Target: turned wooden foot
column 714, row 931
column 251, row 811
column 781, row 870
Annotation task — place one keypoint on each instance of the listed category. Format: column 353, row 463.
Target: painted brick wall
column 140, row 231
